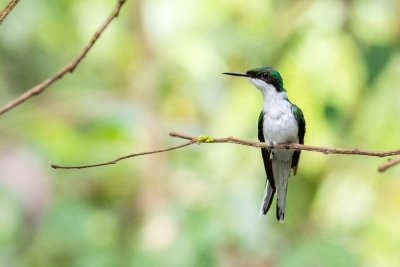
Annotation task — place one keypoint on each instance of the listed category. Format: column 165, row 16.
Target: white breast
column 280, row 125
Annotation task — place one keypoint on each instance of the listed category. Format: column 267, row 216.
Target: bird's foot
column 287, row 145
column 272, row 144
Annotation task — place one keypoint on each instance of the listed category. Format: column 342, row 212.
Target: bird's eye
column 265, row 74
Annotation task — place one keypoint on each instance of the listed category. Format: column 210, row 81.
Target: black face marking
column 268, row 75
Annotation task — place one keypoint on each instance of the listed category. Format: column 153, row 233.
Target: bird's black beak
column 236, row 74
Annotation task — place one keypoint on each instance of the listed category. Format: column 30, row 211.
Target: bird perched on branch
column 280, row 121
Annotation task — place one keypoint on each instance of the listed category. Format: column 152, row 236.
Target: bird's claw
column 287, row 145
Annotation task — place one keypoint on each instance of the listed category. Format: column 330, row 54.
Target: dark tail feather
column 267, row 200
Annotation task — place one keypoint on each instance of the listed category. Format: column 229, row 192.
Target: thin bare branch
column 388, row 164
column 353, row 151
column 68, row 68
column 4, row 13
column 121, row 158
column 230, row 139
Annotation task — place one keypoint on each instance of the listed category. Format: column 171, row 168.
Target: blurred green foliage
column 157, row 69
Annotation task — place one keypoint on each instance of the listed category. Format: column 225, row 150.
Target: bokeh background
column 156, row 69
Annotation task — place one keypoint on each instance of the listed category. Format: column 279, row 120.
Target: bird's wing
column 301, row 123
column 270, row 184
column 266, row 153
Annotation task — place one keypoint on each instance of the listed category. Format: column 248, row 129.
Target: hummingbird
column 280, row 122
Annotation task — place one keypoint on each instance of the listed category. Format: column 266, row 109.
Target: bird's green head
column 264, row 74
column 268, row 75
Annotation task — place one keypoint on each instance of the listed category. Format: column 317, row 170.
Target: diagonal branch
column 68, row 68
column 4, row 13
column 208, row 139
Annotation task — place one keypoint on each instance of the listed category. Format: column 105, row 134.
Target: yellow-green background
column 157, row 69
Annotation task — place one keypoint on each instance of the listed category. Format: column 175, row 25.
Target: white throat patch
column 268, row 90
column 262, row 86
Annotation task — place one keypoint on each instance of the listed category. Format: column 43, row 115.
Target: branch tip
column 68, row 68
column 4, row 13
